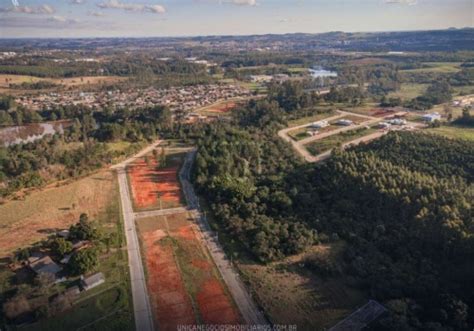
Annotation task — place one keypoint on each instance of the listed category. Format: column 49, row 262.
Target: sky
column 148, row 18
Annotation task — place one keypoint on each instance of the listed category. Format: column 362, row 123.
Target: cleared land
column 41, row 213
column 291, row 294
column 325, row 144
column 154, row 185
column 218, row 108
column 185, row 286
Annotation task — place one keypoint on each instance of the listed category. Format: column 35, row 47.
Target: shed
column 92, row 281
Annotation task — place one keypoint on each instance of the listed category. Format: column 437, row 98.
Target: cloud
column 250, row 3
column 62, row 19
column 242, row 2
column 53, row 22
column 38, row 10
column 401, row 2
column 78, row 2
column 136, row 7
column 96, row 13
column 158, row 9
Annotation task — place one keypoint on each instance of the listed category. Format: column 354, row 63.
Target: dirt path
column 300, row 148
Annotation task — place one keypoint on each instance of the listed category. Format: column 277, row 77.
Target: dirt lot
column 43, row 212
column 184, row 283
column 154, row 187
column 223, row 107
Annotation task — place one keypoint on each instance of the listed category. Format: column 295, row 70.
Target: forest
column 402, row 205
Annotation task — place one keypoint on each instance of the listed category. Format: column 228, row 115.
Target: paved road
column 244, row 301
column 141, row 303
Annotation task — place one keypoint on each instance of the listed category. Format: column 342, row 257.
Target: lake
column 31, row 132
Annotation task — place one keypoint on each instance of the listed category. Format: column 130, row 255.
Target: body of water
column 31, row 132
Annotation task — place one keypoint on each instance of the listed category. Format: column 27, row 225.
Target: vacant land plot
column 325, row 144
column 221, row 107
column 454, row 132
column 184, row 284
column 366, row 109
column 409, row 91
column 312, row 118
column 353, row 118
column 439, row 67
column 42, row 213
column 154, row 185
column 291, row 294
column 300, row 134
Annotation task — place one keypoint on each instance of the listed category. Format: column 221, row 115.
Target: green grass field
column 108, row 306
column 291, row 294
column 312, row 118
column 454, row 132
column 409, row 91
column 325, row 144
column 438, row 67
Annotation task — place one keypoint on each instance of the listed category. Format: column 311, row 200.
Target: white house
column 384, row 125
column 397, row 121
column 431, row 117
column 319, row 124
column 345, row 122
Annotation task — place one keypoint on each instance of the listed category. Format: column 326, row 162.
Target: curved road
column 299, row 145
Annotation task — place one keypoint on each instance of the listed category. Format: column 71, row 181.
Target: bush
column 84, row 261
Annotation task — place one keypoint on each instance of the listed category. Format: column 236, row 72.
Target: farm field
column 291, row 294
column 185, row 286
column 153, row 185
column 325, row 144
column 43, row 212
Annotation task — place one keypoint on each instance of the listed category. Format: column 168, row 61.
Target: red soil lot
column 222, row 108
column 169, row 299
column 183, row 282
column 381, row 112
column 149, row 185
column 214, row 305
